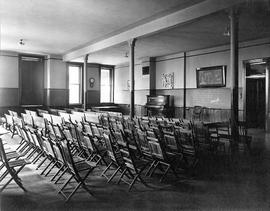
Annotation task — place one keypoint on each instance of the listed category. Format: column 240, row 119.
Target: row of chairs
column 157, row 151
column 49, row 152
column 132, row 146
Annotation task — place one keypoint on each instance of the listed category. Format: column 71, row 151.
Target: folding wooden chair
column 10, row 126
column 27, row 121
column 185, row 140
column 115, row 157
column 130, row 138
column 95, row 151
column 244, row 141
column 72, row 135
column 161, row 158
column 78, row 170
column 41, row 112
column 143, row 144
column 50, row 151
column 133, row 166
column 13, row 167
column 207, row 143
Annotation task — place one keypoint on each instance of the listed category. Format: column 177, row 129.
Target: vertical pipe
column 234, row 73
column 266, row 97
column 85, row 82
column 131, row 75
column 185, row 84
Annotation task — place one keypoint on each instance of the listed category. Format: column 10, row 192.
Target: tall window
column 75, row 84
column 105, row 85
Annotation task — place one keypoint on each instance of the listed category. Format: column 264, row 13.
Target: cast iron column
column 131, row 75
column 234, row 73
column 85, row 82
column 185, row 86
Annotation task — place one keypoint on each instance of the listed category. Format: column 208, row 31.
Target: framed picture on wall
column 214, row 76
column 168, row 80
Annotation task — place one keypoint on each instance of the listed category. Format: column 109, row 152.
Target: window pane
column 105, row 77
column 74, row 94
column 105, row 94
column 105, row 86
column 74, row 75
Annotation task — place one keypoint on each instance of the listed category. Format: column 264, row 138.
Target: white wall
column 214, row 98
column 167, row 65
column 55, row 73
column 93, row 72
column 142, row 84
column 9, row 70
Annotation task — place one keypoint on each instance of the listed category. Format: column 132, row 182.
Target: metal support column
column 131, row 75
column 185, row 86
column 234, row 73
column 85, row 82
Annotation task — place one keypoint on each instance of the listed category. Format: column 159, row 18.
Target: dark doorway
column 255, row 95
column 31, row 80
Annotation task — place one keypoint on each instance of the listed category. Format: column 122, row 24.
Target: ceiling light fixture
column 126, row 55
column 21, row 42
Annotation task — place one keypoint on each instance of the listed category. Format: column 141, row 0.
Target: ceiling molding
column 179, row 17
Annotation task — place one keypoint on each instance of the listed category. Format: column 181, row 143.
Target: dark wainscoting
column 208, row 114
column 207, row 97
column 9, row 97
column 4, row 110
column 56, row 97
column 139, row 109
column 93, row 97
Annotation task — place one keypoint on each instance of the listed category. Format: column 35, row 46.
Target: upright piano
column 158, row 105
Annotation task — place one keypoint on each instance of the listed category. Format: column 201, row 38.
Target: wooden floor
column 240, row 185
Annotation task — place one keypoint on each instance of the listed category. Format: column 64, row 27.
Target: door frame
column 245, row 64
column 20, row 74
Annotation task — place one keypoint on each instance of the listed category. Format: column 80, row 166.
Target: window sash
column 75, row 84
column 106, row 85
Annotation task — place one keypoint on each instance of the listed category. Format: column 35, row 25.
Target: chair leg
column 150, row 168
column 46, row 167
column 86, row 188
column 65, row 170
column 2, row 166
column 165, row 173
column 133, row 182
column 32, row 153
column 153, row 169
column 114, row 173
column 41, row 162
column 73, row 192
column 37, row 157
column 59, row 170
column 15, row 178
column 21, row 144
column 65, row 184
column 50, row 169
column 3, row 175
column 123, row 173
column 106, row 169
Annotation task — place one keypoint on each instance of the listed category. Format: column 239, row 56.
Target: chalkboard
column 211, row 76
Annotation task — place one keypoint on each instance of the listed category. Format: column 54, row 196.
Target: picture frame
column 168, row 80
column 214, row 76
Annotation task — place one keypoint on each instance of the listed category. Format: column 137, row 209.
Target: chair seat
column 12, row 154
column 16, row 163
column 82, row 166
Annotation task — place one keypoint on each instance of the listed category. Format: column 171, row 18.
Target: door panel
column 255, row 103
column 32, row 81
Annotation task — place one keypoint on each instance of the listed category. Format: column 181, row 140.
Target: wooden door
column 255, row 102
column 31, row 80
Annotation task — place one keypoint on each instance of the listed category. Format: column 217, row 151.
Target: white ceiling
column 254, row 23
column 58, row 26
